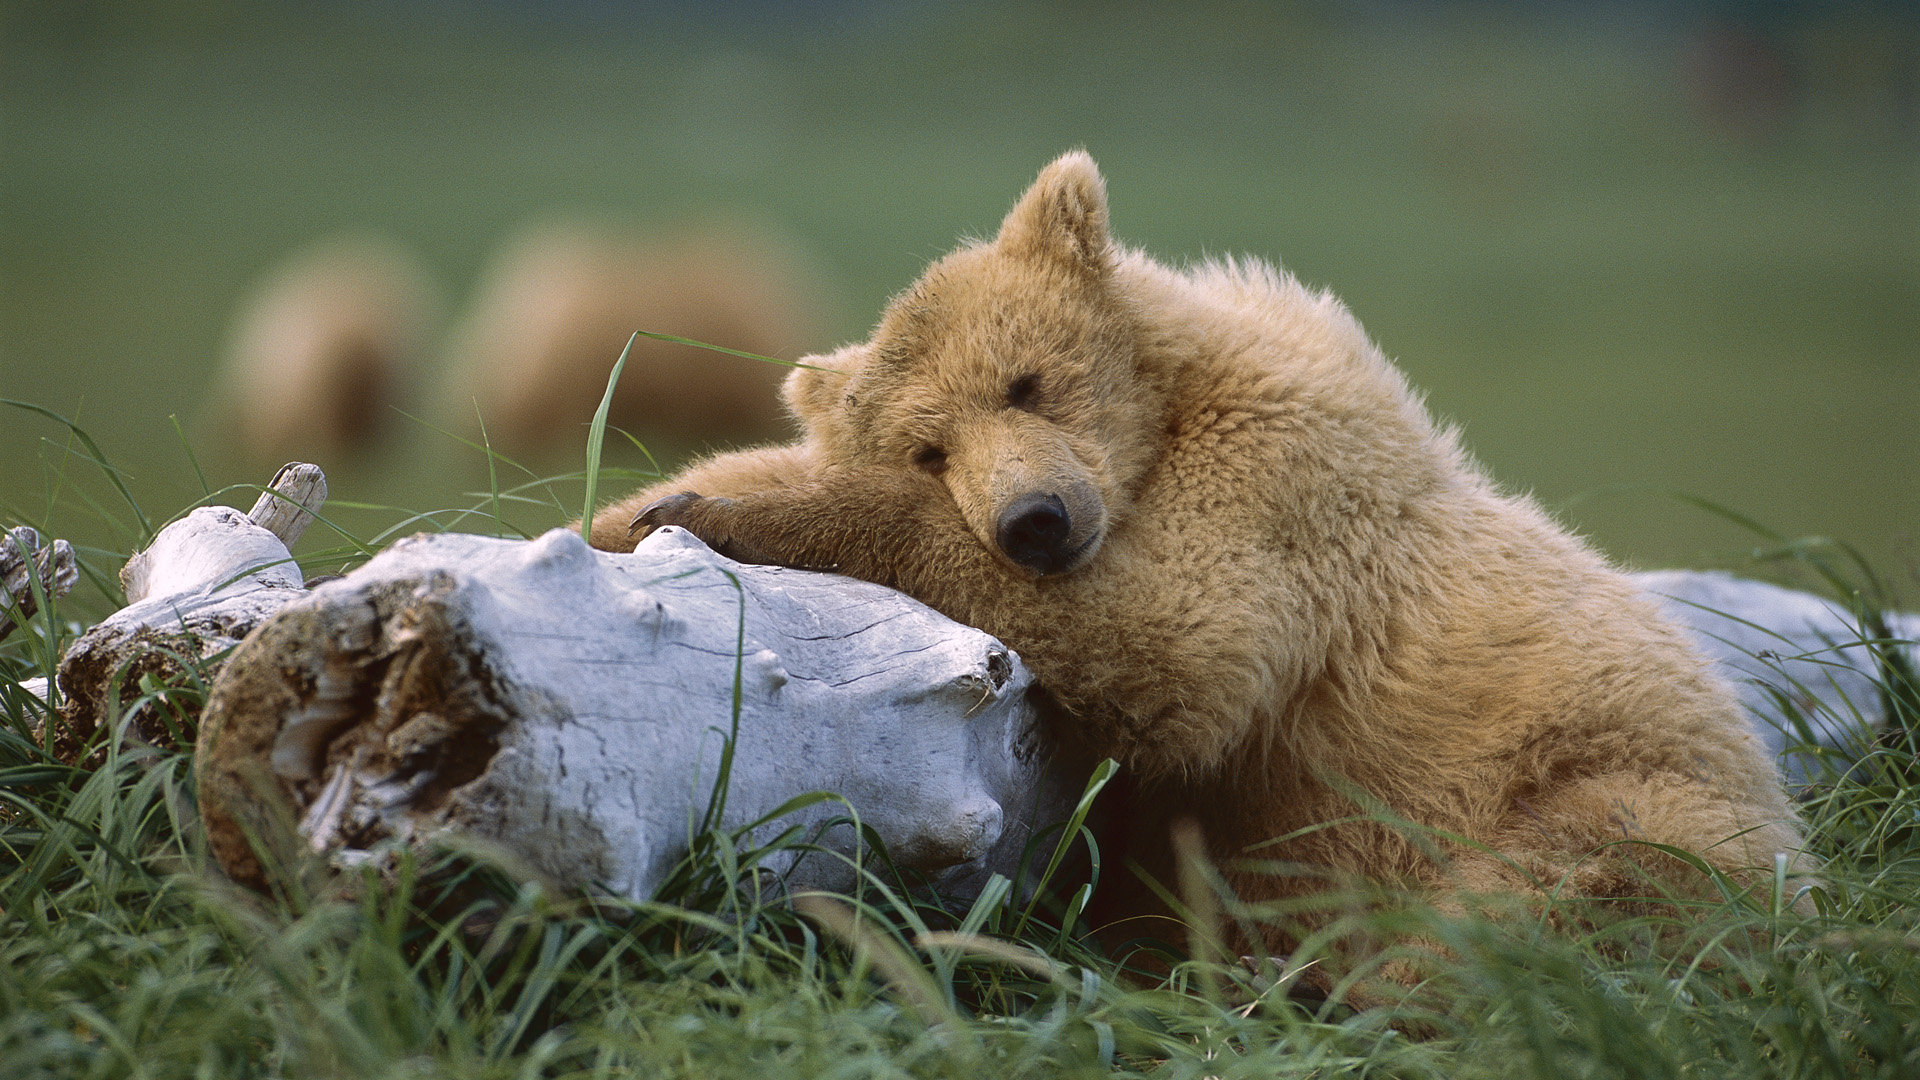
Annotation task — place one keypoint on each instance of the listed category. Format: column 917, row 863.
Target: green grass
column 121, row 955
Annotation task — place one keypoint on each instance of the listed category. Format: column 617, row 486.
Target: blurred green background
column 1630, row 248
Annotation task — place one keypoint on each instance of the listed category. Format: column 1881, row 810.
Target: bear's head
column 1008, row 373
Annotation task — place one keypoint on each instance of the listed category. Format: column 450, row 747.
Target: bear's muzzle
column 1038, row 533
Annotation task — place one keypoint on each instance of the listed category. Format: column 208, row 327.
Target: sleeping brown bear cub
column 1245, row 562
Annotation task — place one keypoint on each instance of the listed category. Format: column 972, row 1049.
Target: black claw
column 651, row 514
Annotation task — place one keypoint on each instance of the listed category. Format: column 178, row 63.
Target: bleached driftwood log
column 203, row 584
column 573, row 707
column 1785, row 647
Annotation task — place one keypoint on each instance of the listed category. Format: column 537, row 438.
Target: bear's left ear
column 1063, row 216
column 814, row 387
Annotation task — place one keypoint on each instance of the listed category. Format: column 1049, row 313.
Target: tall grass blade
column 735, row 352
column 206, row 490
column 717, row 803
column 99, row 458
column 1069, row 832
column 596, row 434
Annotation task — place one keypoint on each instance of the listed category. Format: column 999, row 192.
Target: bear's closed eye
column 931, row 458
column 1024, row 392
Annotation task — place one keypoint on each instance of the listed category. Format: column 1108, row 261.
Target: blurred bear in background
column 323, row 347
column 551, row 313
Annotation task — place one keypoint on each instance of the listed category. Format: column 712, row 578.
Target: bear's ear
column 1063, row 216
column 813, row 388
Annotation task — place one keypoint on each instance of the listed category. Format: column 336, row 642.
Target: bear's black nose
column 1033, row 532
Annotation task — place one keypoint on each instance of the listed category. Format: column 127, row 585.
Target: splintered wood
column 204, row 583
column 30, row 570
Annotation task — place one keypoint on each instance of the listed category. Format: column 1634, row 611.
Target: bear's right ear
column 1063, row 216
column 813, row 388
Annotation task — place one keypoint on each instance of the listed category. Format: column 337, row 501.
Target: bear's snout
column 1036, row 531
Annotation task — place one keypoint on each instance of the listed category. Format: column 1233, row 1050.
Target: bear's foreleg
column 888, row 526
column 740, row 472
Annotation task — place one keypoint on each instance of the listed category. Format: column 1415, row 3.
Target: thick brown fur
column 1288, row 597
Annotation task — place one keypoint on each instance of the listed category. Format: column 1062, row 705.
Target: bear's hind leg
column 1601, row 837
